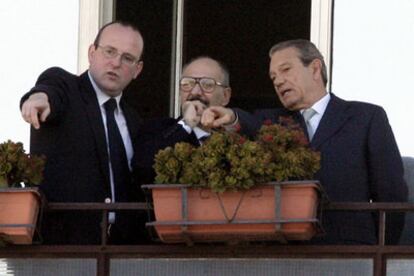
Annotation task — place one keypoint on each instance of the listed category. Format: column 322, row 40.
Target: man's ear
column 138, row 68
column 227, row 96
column 91, row 52
column 316, row 66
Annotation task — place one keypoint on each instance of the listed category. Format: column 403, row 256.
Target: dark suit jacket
column 360, row 161
column 77, row 168
column 155, row 135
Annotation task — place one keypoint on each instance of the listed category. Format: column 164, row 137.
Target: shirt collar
column 199, row 133
column 320, row 106
column 102, row 97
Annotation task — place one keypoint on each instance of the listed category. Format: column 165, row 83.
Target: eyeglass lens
column 206, row 84
column 110, row 52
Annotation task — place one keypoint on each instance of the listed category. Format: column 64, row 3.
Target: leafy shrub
column 230, row 161
column 17, row 167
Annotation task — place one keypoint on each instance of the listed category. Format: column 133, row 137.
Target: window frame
column 95, row 13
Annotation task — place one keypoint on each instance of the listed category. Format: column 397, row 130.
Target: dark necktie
column 117, row 154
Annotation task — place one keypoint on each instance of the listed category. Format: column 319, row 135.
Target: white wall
column 373, row 58
column 35, row 35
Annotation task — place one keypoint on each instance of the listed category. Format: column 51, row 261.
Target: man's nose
column 278, row 81
column 117, row 61
column 196, row 89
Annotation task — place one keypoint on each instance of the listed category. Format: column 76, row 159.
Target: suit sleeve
column 155, row 135
column 251, row 123
column 53, row 82
column 386, row 171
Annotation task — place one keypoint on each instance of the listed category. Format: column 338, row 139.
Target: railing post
column 380, row 265
column 381, row 228
column 104, row 228
column 102, row 265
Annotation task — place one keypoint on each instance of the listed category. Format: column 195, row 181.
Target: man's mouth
column 284, row 92
column 191, row 99
column 112, row 75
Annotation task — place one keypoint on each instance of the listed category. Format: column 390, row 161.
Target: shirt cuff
column 234, row 126
column 186, row 127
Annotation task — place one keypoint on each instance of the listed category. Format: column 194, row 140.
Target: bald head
column 206, row 67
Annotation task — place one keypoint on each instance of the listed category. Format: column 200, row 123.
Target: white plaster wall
column 373, row 58
column 35, row 35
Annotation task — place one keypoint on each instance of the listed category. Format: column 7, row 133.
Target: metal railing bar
column 340, row 206
column 199, row 250
column 59, row 206
column 366, row 206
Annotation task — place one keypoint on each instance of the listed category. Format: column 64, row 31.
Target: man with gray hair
column 360, row 160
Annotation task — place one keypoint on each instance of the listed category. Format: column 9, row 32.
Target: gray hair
column 307, row 53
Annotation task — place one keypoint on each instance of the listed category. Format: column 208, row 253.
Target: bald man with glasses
column 204, row 83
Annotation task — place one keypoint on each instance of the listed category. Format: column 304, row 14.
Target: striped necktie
column 307, row 115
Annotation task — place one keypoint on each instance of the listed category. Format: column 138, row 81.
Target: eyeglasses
column 206, row 84
column 111, row 52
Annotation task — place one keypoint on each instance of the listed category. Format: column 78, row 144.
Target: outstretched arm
column 36, row 109
column 218, row 116
column 47, row 100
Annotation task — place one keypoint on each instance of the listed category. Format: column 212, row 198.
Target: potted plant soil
column 234, row 188
column 19, row 200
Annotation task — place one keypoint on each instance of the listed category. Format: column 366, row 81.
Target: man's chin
column 289, row 105
column 112, row 92
column 111, row 89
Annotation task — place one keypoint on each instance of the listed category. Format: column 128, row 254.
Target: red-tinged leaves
column 230, row 161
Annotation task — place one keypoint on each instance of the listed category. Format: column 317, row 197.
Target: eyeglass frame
column 197, row 81
column 116, row 53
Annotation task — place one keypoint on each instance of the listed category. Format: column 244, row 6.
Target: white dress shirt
column 123, row 129
column 319, row 107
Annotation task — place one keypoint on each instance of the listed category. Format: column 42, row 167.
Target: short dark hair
column 120, row 22
column 223, row 68
column 307, row 53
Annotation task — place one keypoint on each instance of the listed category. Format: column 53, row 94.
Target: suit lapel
column 333, row 120
column 95, row 121
column 133, row 123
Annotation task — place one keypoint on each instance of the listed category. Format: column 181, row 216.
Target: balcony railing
column 211, row 259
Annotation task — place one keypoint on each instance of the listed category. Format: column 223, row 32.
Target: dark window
column 150, row 92
column 237, row 32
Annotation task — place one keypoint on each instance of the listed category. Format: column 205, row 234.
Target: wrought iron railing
column 103, row 253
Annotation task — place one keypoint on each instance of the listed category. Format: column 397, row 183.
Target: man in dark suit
column 72, row 126
column 204, row 82
column 360, row 160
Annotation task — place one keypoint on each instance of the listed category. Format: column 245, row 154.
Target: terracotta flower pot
column 278, row 211
column 19, row 209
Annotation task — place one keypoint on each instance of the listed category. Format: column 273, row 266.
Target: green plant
column 291, row 156
column 18, row 167
column 230, row 161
